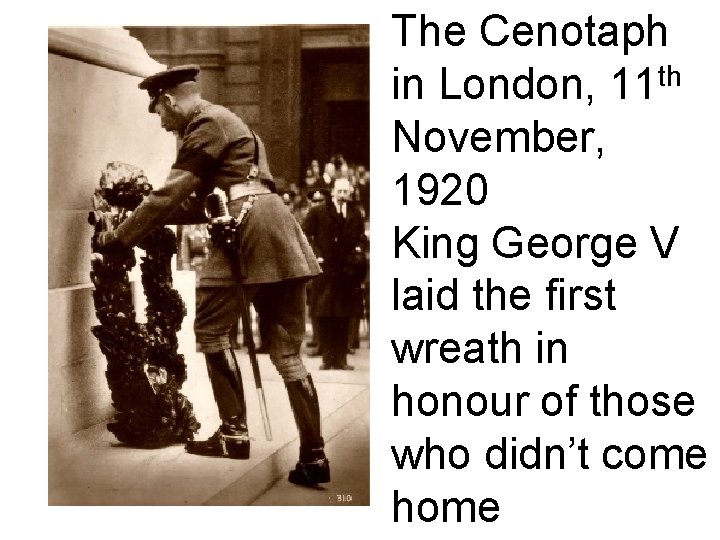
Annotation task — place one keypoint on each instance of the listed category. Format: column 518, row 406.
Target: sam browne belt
column 251, row 187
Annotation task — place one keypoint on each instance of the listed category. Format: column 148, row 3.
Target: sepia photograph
column 208, row 265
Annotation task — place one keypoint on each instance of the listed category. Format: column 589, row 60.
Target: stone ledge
column 112, row 48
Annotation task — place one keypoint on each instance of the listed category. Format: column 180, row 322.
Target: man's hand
column 106, row 242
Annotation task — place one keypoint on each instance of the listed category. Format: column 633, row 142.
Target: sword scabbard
column 249, row 341
column 227, row 235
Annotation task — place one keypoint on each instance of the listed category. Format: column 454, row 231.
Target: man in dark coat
column 218, row 151
column 336, row 230
column 317, row 197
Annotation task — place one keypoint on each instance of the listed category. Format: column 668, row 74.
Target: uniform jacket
column 335, row 239
column 216, row 151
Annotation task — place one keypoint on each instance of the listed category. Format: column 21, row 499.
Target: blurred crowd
column 296, row 194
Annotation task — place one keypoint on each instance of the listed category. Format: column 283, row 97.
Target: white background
column 655, row 170
column 658, row 168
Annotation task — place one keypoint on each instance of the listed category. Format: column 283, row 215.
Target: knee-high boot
column 231, row 439
column 313, row 466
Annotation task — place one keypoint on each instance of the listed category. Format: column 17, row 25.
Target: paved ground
column 92, row 468
column 350, row 473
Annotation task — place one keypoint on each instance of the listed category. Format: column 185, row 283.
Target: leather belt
column 244, row 189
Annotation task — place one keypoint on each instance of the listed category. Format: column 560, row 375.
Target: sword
column 247, row 333
column 224, row 232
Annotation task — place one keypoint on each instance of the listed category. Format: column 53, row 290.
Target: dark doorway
column 335, row 106
column 349, row 130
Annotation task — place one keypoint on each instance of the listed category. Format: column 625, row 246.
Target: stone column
column 96, row 114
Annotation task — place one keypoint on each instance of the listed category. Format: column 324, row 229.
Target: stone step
column 90, row 467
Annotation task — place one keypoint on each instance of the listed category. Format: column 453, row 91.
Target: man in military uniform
column 218, row 150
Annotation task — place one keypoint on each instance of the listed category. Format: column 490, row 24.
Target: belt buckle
column 237, row 191
column 253, row 174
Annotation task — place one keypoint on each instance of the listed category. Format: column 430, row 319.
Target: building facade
column 304, row 89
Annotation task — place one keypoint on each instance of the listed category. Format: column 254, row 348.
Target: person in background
column 316, row 198
column 337, row 232
column 362, row 187
column 308, row 182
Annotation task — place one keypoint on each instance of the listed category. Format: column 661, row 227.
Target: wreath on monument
column 144, row 370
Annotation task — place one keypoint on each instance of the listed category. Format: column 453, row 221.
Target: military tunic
column 216, row 151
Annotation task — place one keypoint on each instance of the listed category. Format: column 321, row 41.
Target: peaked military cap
column 317, row 195
column 165, row 80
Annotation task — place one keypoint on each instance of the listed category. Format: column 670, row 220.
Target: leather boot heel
column 228, row 441
column 236, row 446
column 308, row 474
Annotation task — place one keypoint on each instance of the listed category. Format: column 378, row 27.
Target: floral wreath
column 144, row 370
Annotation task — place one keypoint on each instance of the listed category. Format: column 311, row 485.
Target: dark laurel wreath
column 144, row 370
